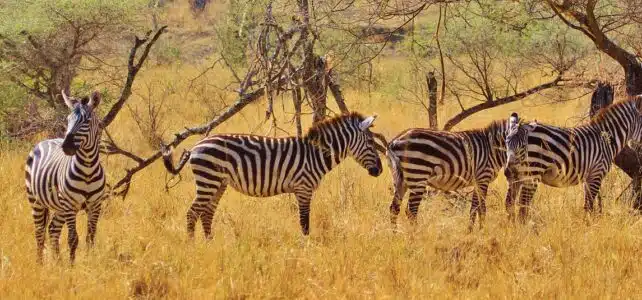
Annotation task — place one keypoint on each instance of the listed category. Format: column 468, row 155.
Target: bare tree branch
column 497, row 102
column 132, row 69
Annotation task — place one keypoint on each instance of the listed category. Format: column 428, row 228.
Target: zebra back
column 447, row 160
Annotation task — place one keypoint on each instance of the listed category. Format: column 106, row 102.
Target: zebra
column 64, row 176
column 562, row 157
column 261, row 166
column 445, row 161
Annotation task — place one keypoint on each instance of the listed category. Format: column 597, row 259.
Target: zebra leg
column 395, row 206
column 511, row 195
column 303, row 197
column 525, row 199
column 192, row 217
column 93, row 214
column 40, row 218
column 478, row 206
column 72, row 236
column 55, row 226
column 414, row 200
column 591, row 190
column 209, row 210
column 203, row 206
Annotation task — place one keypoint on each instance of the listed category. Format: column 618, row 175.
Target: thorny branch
column 132, row 69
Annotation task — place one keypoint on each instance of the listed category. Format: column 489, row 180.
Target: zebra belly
column 556, row 178
column 438, row 179
column 257, row 192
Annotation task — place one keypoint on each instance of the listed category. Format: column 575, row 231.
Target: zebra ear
column 638, row 103
column 94, row 100
column 513, row 119
column 365, row 124
column 532, row 125
column 68, row 101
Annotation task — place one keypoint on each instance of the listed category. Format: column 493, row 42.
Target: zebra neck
column 615, row 128
column 87, row 157
column 326, row 155
column 495, row 136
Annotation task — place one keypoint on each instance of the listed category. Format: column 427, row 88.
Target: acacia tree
column 492, row 69
column 44, row 44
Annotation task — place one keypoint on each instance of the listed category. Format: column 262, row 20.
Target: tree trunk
column 431, row 81
column 315, row 85
column 313, row 67
column 335, row 88
column 633, row 75
column 297, row 99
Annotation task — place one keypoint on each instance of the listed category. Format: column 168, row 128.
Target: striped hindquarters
column 443, row 160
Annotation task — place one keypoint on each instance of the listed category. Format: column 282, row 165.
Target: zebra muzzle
column 374, row 171
column 510, row 172
column 68, row 146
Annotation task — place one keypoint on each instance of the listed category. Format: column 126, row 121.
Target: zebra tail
column 397, row 173
column 167, row 160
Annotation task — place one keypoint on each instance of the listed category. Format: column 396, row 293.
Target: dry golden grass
column 142, row 248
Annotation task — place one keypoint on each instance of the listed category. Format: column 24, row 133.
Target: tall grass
column 142, row 248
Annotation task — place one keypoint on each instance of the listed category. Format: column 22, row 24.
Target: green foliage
column 43, row 44
column 12, row 102
column 42, row 17
column 238, row 27
column 167, row 51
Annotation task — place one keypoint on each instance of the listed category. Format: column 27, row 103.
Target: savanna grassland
column 142, row 248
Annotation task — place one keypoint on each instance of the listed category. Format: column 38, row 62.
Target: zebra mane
column 493, row 125
column 602, row 113
column 316, row 129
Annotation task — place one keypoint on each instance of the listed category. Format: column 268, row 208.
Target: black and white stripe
column 262, row 166
column 64, row 176
column 446, row 161
column 563, row 157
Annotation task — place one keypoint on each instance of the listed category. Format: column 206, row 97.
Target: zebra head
column 362, row 147
column 516, row 142
column 83, row 128
column 635, row 138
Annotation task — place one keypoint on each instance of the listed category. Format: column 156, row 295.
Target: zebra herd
column 64, row 176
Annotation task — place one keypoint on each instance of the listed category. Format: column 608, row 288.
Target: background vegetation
column 491, row 50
